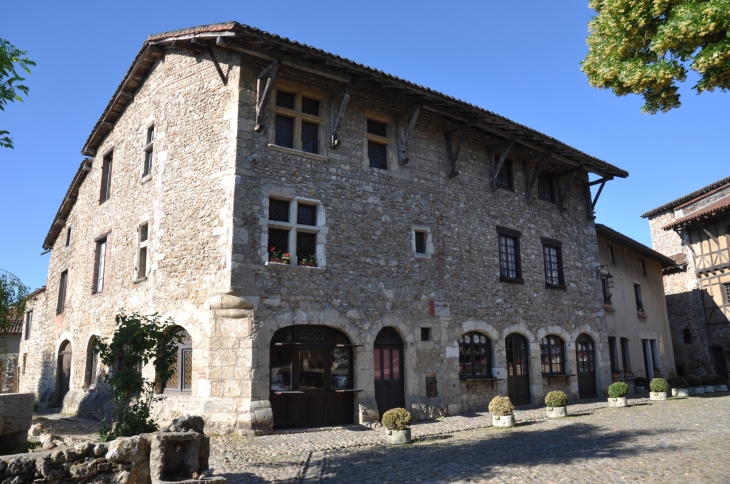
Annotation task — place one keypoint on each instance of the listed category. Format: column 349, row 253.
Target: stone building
column 639, row 339
column 694, row 230
column 335, row 241
column 9, row 345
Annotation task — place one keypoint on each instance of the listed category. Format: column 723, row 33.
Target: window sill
column 549, row 200
column 145, row 179
column 559, row 287
column 175, row 394
column 422, row 255
column 293, row 267
column 504, row 187
column 304, row 154
column 641, row 315
column 511, row 280
column 478, row 378
column 139, row 280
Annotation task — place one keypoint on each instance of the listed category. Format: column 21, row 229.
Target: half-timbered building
column 694, row 230
column 334, row 240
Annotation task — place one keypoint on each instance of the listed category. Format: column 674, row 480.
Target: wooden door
column 518, row 374
column 64, row 370
column 388, row 354
column 718, row 355
column 585, row 357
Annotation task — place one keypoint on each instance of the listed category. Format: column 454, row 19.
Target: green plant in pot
column 617, row 394
column 502, row 412
column 640, row 384
column 659, row 388
column 397, row 423
column 556, row 402
column 680, row 387
column 695, row 385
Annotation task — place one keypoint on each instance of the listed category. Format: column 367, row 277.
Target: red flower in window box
column 277, row 257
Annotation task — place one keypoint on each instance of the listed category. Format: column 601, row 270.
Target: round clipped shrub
column 618, row 389
column 397, row 419
column 680, row 382
column 720, row 380
column 659, row 385
column 640, row 382
column 707, row 380
column 500, row 406
column 694, row 381
column 556, row 398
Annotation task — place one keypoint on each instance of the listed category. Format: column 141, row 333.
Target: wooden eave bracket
column 496, row 167
column 453, row 151
column 262, row 93
column 563, row 194
column 210, row 52
column 404, row 135
column 338, row 113
column 531, row 179
column 592, row 203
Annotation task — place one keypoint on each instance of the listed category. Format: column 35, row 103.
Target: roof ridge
column 689, row 196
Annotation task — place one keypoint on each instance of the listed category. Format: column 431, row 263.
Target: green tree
column 136, row 341
column 10, row 89
column 647, row 46
column 13, row 298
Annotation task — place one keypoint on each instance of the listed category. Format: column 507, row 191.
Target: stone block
column 128, row 449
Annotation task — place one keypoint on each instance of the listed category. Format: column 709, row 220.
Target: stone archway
column 64, row 370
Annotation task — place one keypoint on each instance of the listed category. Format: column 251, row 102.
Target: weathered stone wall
column 16, row 414
column 372, row 277
column 187, row 204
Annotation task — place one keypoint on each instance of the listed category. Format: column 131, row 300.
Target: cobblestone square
column 680, row 441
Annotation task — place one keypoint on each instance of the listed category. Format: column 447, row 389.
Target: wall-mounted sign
column 440, row 308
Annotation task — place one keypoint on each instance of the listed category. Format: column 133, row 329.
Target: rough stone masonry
column 399, row 194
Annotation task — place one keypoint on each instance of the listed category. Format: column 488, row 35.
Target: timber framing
column 235, row 37
column 59, row 221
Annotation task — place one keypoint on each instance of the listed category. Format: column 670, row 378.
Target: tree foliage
column 647, row 46
column 137, row 340
column 13, row 299
column 10, row 87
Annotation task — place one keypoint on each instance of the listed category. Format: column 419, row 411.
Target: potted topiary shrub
column 695, row 385
column 617, row 394
column 720, row 384
column 502, row 410
column 659, row 388
column 556, row 402
column 396, row 422
column 680, row 387
column 640, row 385
column 709, row 383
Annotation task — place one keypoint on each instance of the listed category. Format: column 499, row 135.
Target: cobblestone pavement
column 682, row 440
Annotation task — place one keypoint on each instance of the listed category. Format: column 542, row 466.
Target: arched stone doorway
column 389, row 388
column 64, row 370
column 585, row 353
column 518, row 374
column 311, row 377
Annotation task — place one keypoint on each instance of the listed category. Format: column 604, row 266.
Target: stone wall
column 16, row 414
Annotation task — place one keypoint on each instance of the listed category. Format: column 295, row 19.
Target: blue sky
column 519, row 59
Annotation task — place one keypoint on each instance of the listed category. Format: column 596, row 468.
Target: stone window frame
column 62, row 292
column 142, row 246
column 429, row 248
column 299, row 90
column 101, row 263
column 68, row 235
column 148, row 150
column 182, row 348
column 388, row 141
column 639, row 297
column 558, row 246
column 320, row 229
column 107, row 171
column 547, row 343
column 507, row 169
column 490, row 356
column 549, row 177
column 28, row 323
column 516, row 236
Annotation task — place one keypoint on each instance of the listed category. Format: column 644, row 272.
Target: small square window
column 278, row 242
column 285, row 99
column 421, row 242
column 306, row 246
column 504, row 177
column 278, row 210
column 306, row 214
column 546, row 186
column 509, row 255
column 377, row 128
column 553, row 259
column 425, row 334
column 68, row 236
column 378, row 155
column 310, row 106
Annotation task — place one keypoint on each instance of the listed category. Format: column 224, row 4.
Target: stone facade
column 207, row 203
column 694, row 231
column 644, row 336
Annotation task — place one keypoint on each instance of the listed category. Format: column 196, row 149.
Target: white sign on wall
column 440, row 308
